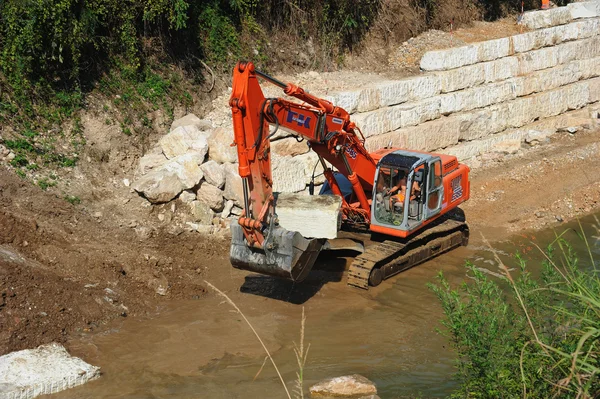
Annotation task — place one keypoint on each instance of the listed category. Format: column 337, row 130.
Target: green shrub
column 44, row 183
column 526, row 337
column 73, row 199
column 19, row 160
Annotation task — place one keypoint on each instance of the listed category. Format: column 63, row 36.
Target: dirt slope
column 62, row 269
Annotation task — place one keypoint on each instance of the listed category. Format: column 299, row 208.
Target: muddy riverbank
column 204, row 349
column 69, row 273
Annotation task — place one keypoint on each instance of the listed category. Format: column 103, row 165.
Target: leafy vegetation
column 527, row 337
column 73, row 199
column 144, row 55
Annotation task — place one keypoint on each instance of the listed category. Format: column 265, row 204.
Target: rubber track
column 387, row 251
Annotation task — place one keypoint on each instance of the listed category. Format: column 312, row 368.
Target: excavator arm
column 327, row 129
column 257, row 242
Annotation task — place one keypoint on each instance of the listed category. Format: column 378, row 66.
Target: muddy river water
column 203, row 349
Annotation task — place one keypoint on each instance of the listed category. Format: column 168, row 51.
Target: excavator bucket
column 286, row 253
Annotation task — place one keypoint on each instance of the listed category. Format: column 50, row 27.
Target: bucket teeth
column 291, row 255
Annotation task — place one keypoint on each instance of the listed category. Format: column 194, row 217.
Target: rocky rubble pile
column 196, row 164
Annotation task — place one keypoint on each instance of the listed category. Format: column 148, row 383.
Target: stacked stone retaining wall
column 472, row 98
column 473, row 92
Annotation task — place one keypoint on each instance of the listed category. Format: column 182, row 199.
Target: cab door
column 435, row 188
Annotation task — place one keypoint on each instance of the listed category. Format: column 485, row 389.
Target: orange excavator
column 403, row 202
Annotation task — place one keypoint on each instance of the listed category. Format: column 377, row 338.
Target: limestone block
column 346, row 99
column 165, row 183
column 478, row 97
column 549, row 78
column 410, row 89
column 489, row 50
column 520, row 112
column 546, row 18
column 289, row 146
column 539, row 129
column 220, row 149
column 587, row 28
column 502, row 69
column 471, row 149
column 313, row 216
column 350, row 386
column 289, row 174
column 183, row 140
column 379, row 121
column 211, row 196
column 428, row 136
column 538, row 59
column 45, row 370
column 588, row 48
column 480, row 123
column 545, row 37
column 311, row 162
column 369, row 99
column 584, row 9
column 589, row 68
column 419, row 112
column 462, row 78
column 557, row 101
column 594, row 90
column 233, row 184
column 192, row 120
column 439, row 60
column 580, row 49
column 213, row 173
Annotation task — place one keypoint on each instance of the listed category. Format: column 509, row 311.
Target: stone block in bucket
column 313, row 216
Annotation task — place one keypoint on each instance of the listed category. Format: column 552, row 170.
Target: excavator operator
column 400, row 190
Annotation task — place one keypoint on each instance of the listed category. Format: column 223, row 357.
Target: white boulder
column 187, row 196
column 233, row 184
column 150, row 161
column 192, row 120
column 183, row 140
column 210, row 195
column 220, row 148
column 45, row 370
column 348, row 386
column 227, row 209
column 165, row 183
column 213, row 173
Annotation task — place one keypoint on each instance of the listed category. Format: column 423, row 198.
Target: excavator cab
column 408, row 190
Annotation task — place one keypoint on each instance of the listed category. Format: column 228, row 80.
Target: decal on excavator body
column 301, row 120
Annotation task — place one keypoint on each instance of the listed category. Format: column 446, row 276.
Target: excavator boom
column 258, row 243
